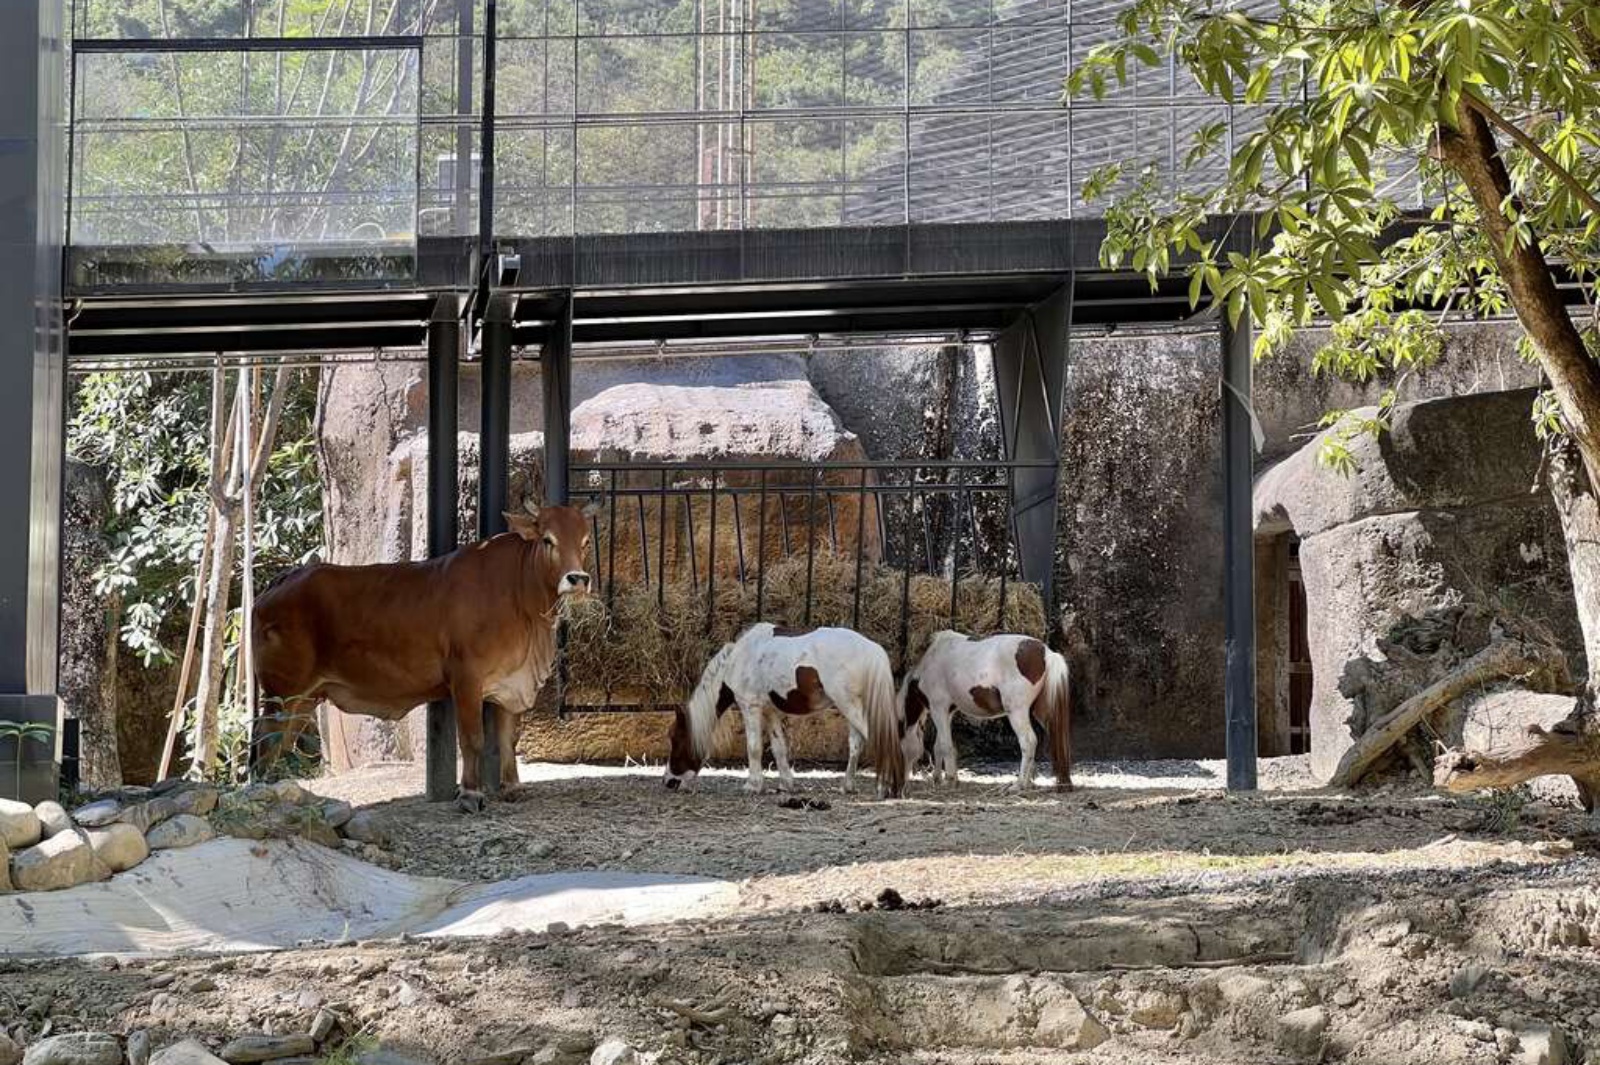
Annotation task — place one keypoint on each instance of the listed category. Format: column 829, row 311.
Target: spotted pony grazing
column 769, row 674
column 1010, row 676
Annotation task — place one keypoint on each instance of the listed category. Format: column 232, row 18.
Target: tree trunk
column 1572, row 747
column 206, row 732
column 99, row 761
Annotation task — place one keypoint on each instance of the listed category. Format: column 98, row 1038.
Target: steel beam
column 494, row 467
column 1030, row 360
column 555, row 371
column 444, row 357
column 32, row 380
column 1239, row 601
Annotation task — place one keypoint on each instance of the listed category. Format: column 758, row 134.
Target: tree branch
column 1531, row 146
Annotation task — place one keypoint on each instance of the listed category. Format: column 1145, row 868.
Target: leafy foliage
column 150, row 434
column 1347, row 98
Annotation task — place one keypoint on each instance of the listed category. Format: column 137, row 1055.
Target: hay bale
column 648, row 653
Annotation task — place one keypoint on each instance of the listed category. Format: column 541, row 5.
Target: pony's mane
column 703, row 703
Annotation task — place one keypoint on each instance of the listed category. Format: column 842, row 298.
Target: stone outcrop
column 1410, row 560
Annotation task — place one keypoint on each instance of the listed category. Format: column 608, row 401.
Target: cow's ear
column 524, row 525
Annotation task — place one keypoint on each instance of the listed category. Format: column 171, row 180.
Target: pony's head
column 689, row 739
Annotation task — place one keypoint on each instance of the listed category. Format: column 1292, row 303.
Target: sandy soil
column 1145, row 917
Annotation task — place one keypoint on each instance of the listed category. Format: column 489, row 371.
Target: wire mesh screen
column 254, row 163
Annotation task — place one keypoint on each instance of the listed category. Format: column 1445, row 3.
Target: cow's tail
column 883, row 725
column 1052, row 708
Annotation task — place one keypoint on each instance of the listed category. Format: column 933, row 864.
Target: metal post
column 444, row 357
column 1239, row 601
column 32, row 383
column 555, row 371
column 494, row 469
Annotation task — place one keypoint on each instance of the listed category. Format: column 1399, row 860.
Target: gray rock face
column 53, row 818
column 62, row 861
column 197, row 801
column 119, row 847
column 1396, row 557
column 19, row 824
column 75, row 1048
column 185, row 830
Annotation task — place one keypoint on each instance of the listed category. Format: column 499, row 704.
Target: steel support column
column 555, row 373
column 1239, row 602
column 1030, row 361
column 494, row 468
column 32, row 384
column 444, row 358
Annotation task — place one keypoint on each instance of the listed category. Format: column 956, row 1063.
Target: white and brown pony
column 768, row 674
column 1009, row 676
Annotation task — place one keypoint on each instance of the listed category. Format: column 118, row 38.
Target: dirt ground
column 1147, row 916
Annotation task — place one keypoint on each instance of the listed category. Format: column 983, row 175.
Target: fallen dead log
column 1570, row 747
column 1502, row 659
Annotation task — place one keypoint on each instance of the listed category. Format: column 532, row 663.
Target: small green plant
column 22, row 732
column 349, row 1051
column 1501, row 811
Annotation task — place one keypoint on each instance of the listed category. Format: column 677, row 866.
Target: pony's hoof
column 470, row 802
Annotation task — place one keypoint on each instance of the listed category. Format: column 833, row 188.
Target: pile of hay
column 644, row 652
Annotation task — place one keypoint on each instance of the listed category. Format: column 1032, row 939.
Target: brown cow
column 474, row 626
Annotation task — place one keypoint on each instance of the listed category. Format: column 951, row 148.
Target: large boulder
column 184, row 830
column 19, row 824
column 65, row 860
column 1411, row 560
column 119, row 847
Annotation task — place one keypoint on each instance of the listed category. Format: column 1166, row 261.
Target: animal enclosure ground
column 1145, row 917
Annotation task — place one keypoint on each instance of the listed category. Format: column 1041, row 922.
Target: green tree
column 1491, row 108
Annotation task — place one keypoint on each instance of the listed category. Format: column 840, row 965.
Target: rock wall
column 1411, row 559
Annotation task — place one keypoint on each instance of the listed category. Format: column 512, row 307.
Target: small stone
column 1157, row 1009
column 557, row 928
column 252, row 1048
column 407, row 995
column 200, row 985
column 1242, row 987
column 1506, row 1041
column 1301, row 1032
column 784, row 1026
column 197, row 801
column 323, row 1026
column 160, row 980
column 614, row 1052
column 571, row 998
column 139, row 1047
column 10, row 1053
column 188, row 1052
column 62, row 861
column 75, row 1048
column 1476, row 1030
column 1391, row 934
column 119, row 847
column 1466, row 980
column 290, row 792
column 1542, row 1045
column 184, row 830
column 367, row 827
column 19, row 824
column 337, row 813
column 1346, row 997
column 97, row 814
column 53, row 818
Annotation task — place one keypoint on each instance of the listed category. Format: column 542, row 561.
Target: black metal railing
column 701, row 525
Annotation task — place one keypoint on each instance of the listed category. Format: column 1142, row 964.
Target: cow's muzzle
column 576, row 581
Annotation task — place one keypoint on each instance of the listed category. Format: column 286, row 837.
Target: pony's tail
column 1052, row 708
column 883, row 721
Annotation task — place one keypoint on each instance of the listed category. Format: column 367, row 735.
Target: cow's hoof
column 470, row 802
